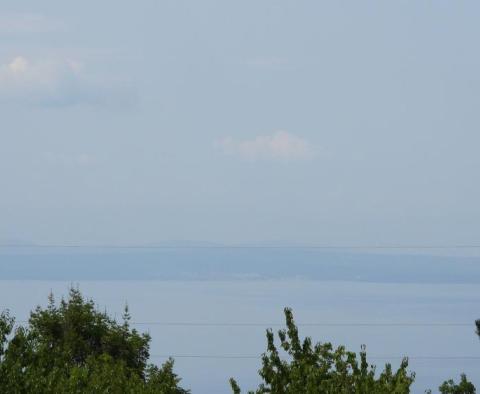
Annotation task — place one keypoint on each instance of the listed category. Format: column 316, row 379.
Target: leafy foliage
column 321, row 369
column 74, row 348
column 464, row 387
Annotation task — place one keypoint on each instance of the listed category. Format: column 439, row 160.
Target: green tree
column 74, row 348
column 321, row 369
column 464, row 387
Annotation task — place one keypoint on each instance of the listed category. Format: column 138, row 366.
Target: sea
column 209, row 307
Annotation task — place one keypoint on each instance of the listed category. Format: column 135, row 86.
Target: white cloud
column 280, row 145
column 18, row 65
column 52, row 82
column 40, row 82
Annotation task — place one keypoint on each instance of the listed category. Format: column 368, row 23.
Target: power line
column 307, row 324
column 333, row 324
column 235, row 356
column 305, row 247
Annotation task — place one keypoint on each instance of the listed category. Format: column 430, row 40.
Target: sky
column 266, row 121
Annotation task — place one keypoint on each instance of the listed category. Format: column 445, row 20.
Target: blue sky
column 253, row 121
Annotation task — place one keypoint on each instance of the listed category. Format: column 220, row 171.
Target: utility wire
column 333, row 324
column 266, row 325
column 167, row 247
column 233, row 356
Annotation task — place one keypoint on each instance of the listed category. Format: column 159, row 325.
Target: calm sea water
column 253, row 287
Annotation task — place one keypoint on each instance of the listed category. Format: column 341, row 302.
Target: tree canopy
column 464, row 387
column 308, row 368
column 74, row 348
column 321, row 369
column 71, row 347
